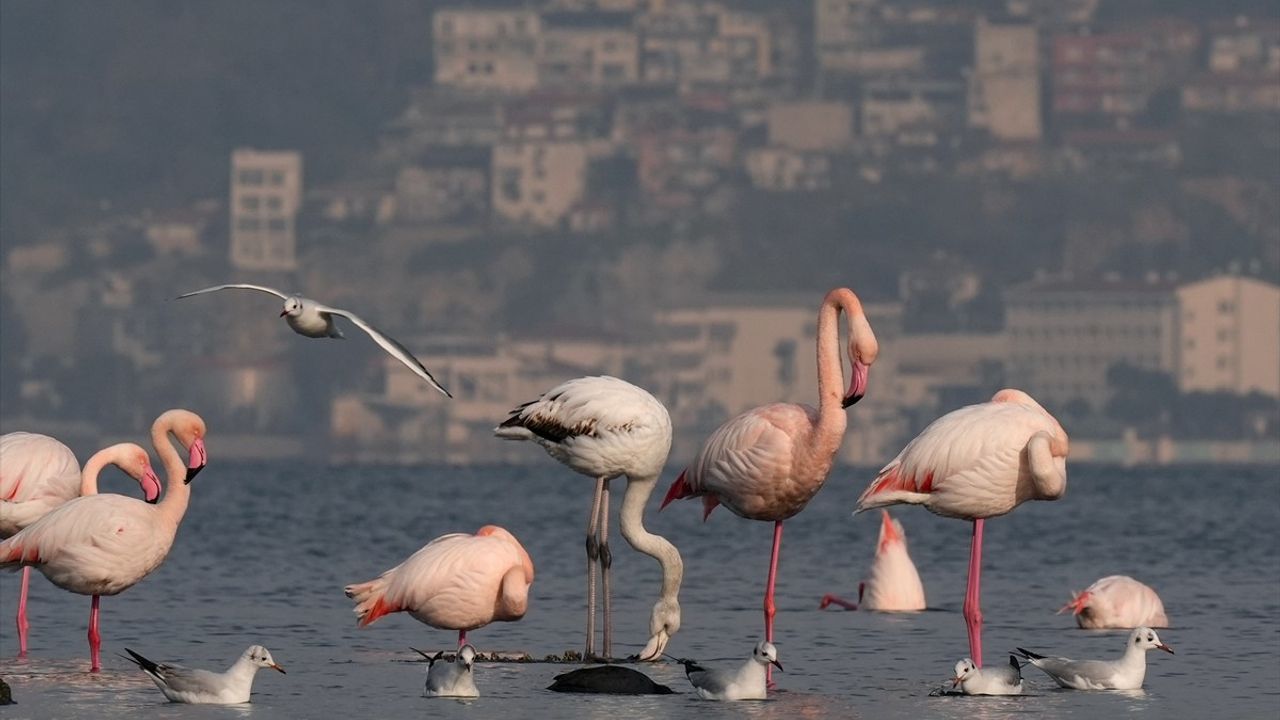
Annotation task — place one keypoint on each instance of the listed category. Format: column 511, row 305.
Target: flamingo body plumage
column 1118, row 601
column 455, row 582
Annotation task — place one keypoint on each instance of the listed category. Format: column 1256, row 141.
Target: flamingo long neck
column 832, row 421
column 93, row 468
column 177, row 493
column 631, row 520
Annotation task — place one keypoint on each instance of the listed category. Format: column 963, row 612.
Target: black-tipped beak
column 283, row 313
column 850, row 400
column 776, row 664
column 191, row 475
column 277, row 667
column 1166, row 648
column 153, row 500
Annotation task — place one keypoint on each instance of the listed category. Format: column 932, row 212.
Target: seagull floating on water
column 203, row 687
column 996, row 680
column 454, row 678
column 748, row 682
column 314, row 320
column 608, row 680
column 1126, row 673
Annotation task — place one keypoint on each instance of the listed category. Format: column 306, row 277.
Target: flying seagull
column 312, row 319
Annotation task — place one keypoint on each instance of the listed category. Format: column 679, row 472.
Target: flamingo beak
column 653, row 650
column 776, row 664
column 150, row 486
column 196, row 459
column 1166, row 648
column 857, row 384
column 276, row 667
column 1077, row 604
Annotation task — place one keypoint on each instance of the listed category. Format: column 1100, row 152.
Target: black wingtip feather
column 1030, row 655
column 142, row 662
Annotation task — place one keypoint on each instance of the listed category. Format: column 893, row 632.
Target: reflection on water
column 265, row 552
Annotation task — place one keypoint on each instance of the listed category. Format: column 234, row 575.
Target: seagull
column 1126, row 673
column 451, row 679
column 607, row 680
column 748, row 682
column 203, row 687
column 314, row 320
column 998, row 680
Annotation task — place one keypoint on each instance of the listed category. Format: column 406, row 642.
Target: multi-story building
column 588, row 49
column 912, row 112
column 1244, row 70
column 266, row 194
column 782, row 169
column 843, row 31
column 1230, row 336
column 811, row 125
column 486, row 49
column 539, row 182
column 1100, row 80
column 1064, row 335
column 446, row 184
column 677, row 167
column 1004, row 89
column 704, row 43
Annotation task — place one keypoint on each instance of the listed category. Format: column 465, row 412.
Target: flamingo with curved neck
column 104, row 544
column 604, row 428
column 768, row 462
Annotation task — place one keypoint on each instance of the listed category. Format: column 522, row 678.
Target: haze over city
column 1078, row 198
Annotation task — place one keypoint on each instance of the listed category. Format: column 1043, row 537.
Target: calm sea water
column 265, row 551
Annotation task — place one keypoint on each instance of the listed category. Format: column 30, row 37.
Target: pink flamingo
column 893, row 585
column 767, row 463
column 1117, row 601
column 37, row 474
column 974, row 463
column 455, row 582
column 104, row 544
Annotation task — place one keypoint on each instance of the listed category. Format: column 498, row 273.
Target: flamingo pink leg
column 972, row 595
column 22, row 613
column 769, row 609
column 462, row 638
column 95, row 638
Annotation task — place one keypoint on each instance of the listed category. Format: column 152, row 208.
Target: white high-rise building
column 266, row 195
column 1004, row 90
column 1230, row 336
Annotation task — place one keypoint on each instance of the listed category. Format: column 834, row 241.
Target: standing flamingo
column 37, row 474
column 455, row 582
column 604, row 427
column 974, row 463
column 768, row 462
column 104, row 544
column 893, row 584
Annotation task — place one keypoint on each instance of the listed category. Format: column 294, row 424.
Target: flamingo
column 604, row 428
column 893, row 585
column 974, row 463
column 455, row 582
column 1118, row 601
column 104, row 544
column 37, row 474
column 768, row 462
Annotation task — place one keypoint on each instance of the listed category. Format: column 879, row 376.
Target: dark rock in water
column 6, row 695
column 608, row 680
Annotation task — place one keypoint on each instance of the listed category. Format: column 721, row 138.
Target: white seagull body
column 604, row 427
column 996, row 680
column 204, row 687
column 1118, row 601
column 315, row 320
column 1125, row 673
column 451, row 679
column 748, row 682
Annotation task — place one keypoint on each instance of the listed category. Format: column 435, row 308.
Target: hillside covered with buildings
column 1080, row 198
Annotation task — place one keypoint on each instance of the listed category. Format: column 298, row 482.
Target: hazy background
column 524, row 192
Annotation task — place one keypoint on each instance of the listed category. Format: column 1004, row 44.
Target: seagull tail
column 1027, row 654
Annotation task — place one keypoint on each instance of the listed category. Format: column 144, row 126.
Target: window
column 277, row 177
column 1226, row 306
column 275, row 203
column 509, row 184
column 248, row 224
column 250, row 203
column 249, row 177
column 277, row 225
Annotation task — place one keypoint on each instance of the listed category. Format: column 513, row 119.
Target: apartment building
column 266, row 195
column 1230, row 336
column 1004, row 89
column 493, row 50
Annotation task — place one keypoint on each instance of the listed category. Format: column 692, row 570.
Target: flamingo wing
column 978, row 447
column 89, row 531
column 37, row 474
column 582, row 407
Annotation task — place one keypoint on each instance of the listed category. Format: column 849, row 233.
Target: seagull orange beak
column 274, row 666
